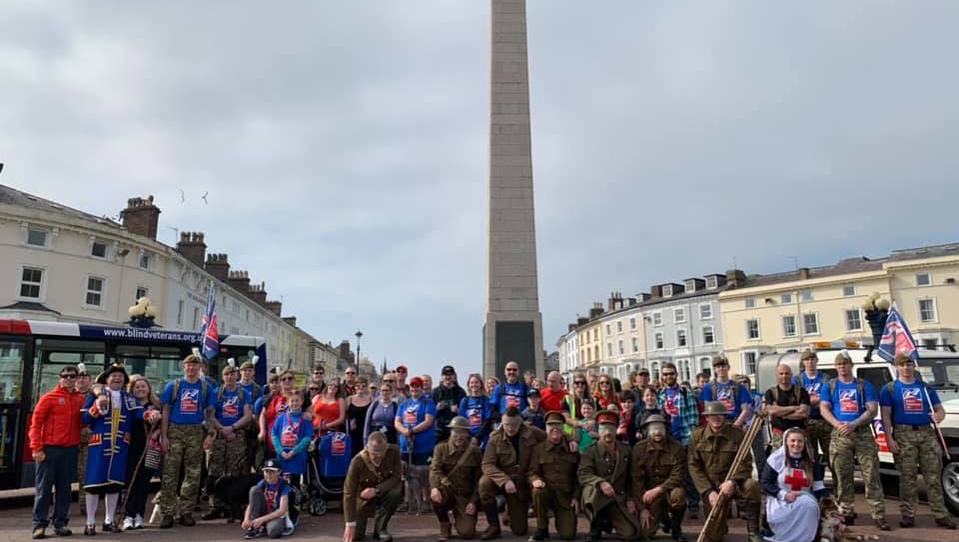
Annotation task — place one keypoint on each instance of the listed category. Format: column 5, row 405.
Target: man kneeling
column 373, row 487
column 269, row 511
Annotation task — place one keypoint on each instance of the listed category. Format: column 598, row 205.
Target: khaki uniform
column 502, row 463
column 456, row 475
column 599, row 465
column 186, row 449
column 844, row 454
column 711, row 455
column 555, row 465
column 660, row 464
column 920, row 452
column 386, row 478
column 227, row 458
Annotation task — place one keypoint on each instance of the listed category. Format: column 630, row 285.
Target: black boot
column 492, row 517
column 595, row 531
column 676, row 526
column 539, row 535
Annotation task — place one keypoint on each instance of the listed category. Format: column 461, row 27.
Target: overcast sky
column 344, row 144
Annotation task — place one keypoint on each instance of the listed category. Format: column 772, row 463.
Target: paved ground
column 15, row 526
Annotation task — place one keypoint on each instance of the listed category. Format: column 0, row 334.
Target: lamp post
column 358, row 334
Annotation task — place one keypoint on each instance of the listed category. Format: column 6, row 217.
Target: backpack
column 714, row 389
column 203, row 391
column 797, row 393
column 861, row 397
column 890, row 386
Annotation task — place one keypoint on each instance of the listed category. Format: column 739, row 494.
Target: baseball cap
column 448, row 370
column 271, row 464
column 533, row 392
column 416, row 381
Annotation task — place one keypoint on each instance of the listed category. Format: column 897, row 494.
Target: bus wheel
column 950, row 485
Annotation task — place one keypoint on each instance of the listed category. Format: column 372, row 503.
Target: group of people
column 633, row 458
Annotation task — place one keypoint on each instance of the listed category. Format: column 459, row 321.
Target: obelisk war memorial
column 514, row 325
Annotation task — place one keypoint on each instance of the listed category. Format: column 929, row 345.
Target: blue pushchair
column 326, row 472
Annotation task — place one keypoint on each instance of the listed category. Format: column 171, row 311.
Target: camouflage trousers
column 919, row 452
column 844, row 453
column 185, row 450
column 818, row 433
column 226, row 458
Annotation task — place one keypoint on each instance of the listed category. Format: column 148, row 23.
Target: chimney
column 218, row 265
column 192, row 247
column 239, row 280
column 290, row 320
column 275, row 307
column 735, row 278
column 571, row 327
column 803, row 273
column 141, row 217
column 597, row 310
column 615, row 301
column 581, row 321
column 345, row 353
column 631, row 301
column 257, row 293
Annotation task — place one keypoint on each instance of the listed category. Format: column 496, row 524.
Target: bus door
column 13, row 415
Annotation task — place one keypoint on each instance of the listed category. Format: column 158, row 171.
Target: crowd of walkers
column 634, row 457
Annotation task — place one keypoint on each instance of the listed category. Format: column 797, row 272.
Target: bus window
column 11, row 371
column 52, row 355
column 877, row 376
column 158, row 364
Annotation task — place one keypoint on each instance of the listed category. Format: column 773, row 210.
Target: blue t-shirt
column 477, row 411
column 672, row 404
column 814, row 388
column 908, row 402
column 229, row 410
column 724, row 394
column 251, row 390
column 844, row 401
column 507, row 395
column 412, row 412
column 273, row 493
column 293, row 433
column 190, row 406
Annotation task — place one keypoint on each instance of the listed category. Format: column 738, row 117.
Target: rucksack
column 859, row 389
column 714, row 388
column 203, row 391
column 239, row 388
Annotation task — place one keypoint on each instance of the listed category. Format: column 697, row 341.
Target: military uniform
column 660, row 464
column 502, row 463
column 227, row 457
column 711, row 455
column 600, row 464
column 185, row 405
column 455, row 473
column 386, row 478
column 556, row 466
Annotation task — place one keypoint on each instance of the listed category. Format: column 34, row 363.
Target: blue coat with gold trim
column 110, row 434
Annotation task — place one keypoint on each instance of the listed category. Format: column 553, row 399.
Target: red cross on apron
column 796, row 479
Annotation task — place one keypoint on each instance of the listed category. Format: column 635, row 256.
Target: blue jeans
column 56, row 471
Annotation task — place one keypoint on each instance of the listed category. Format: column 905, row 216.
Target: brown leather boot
column 492, row 517
column 446, row 531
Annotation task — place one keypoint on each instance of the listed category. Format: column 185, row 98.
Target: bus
column 32, row 352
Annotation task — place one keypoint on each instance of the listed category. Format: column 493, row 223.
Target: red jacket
column 56, row 420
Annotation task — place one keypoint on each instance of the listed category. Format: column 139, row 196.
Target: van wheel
column 950, row 485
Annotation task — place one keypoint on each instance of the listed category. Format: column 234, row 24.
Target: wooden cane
column 744, row 449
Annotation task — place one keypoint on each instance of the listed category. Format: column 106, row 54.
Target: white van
column 939, row 369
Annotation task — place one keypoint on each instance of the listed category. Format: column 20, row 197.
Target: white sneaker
column 127, row 523
column 138, row 522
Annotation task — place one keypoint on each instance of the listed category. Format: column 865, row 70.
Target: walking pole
column 126, row 495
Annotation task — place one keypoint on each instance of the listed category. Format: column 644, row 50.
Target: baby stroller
column 328, row 464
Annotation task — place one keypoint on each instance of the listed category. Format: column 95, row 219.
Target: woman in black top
column 136, row 500
column 356, row 407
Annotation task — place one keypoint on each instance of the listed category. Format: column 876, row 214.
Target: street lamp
column 358, row 334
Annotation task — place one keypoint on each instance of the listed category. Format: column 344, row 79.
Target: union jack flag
column 896, row 338
column 209, row 336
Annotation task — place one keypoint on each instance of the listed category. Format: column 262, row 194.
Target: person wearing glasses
column 679, row 404
column 349, row 382
column 329, row 409
column 317, row 385
column 605, row 395
column 381, row 414
column 273, row 405
column 402, row 390
column 477, row 410
column 512, row 392
column 574, row 405
column 357, row 405
column 54, row 444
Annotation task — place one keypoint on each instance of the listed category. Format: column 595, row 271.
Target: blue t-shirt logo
column 912, row 401
column 849, row 401
column 189, row 401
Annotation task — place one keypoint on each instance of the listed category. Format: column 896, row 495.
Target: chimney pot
column 141, row 217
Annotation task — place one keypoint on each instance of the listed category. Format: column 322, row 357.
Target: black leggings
column 139, row 491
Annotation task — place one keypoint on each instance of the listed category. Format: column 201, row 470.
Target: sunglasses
column 512, row 370
column 579, row 383
column 350, row 373
column 69, row 375
column 386, row 389
column 319, row 373
column 287, row 379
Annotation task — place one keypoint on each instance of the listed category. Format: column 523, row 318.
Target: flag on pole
column 209, row 336
column 896, row 338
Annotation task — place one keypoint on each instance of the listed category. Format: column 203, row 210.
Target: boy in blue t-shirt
column 291, row 439
column 737, row 398
column 186, row 405
column 270, row 512
column 908, row 420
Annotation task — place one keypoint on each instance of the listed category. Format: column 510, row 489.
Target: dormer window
column 668, row 290
column 711, row 283
column 690, row 285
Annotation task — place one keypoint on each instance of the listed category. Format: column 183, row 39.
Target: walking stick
column 744, row 449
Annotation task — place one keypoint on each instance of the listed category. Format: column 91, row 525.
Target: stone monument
column 514, row 326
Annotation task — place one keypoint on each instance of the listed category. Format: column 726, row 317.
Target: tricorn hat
column 114, row 368
column 715, row 408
